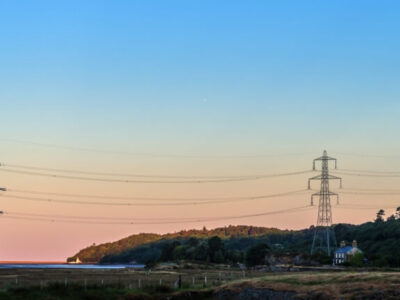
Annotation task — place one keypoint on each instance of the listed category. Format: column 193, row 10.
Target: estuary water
column 68, row 266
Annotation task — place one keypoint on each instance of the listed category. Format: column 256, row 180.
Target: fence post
column 140, row 283
column 180, row 281
column 66, row 282
column 193, row 281
column 85, row 284
column 205, row 280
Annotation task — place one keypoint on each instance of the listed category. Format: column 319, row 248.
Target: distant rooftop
column 344, row 249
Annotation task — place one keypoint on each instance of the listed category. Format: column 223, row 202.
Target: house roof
column 344, row 249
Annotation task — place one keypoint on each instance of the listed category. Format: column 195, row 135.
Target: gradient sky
column 210, row 79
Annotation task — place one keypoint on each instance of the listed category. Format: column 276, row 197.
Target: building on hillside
column 345, row 253
column 77, row 261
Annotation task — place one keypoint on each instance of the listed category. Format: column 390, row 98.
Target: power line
column 88, row 217
column 179, row 202
column 369, row 171
column 57, row 170
column 368, row 207
column 17, row 166
column 372, row 190
column 244, row 178
column 370, row 193
column 359, row 174
column 154, row 198
column 368, row 155
column 383, row 192
column 50, row 218
column 144, row 154
column 80, row 202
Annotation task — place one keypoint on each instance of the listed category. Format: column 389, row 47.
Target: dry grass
column 327, row 285
column 127, row 278
column 305, row 285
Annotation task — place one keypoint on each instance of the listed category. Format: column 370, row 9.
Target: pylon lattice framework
column 323, row 234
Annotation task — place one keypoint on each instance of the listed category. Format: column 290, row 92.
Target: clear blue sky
column 216, row 76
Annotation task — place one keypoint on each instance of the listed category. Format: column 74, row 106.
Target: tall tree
column 397, row 213
column 379, row 215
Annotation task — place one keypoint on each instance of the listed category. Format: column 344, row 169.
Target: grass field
column 196, row 284
column 318, row 285
column 121, row 278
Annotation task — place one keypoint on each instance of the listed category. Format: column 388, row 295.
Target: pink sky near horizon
column 38, row 241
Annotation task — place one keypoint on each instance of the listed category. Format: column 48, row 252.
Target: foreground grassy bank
column 299, row 285
column 79, row 292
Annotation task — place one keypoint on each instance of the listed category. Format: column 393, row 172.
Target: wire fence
column 122, row 279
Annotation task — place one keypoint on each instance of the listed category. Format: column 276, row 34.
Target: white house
column 345, row 253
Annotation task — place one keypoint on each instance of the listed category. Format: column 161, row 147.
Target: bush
column 357, row 260
column 218, row 257
column 256, row 254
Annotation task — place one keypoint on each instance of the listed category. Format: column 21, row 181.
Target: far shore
column 11, row 262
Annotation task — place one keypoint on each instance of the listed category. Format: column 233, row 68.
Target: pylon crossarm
column 318, row 177
column 312, row 198
column 325, row 158
column 337, row 199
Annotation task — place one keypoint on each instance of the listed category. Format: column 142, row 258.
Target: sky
column 192, row 88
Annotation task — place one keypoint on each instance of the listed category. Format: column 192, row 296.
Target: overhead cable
column 244, row 178
column 146, row 154
column 133, row 222
column 179, row 202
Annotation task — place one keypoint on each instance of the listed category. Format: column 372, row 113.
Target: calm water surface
column 67, row 266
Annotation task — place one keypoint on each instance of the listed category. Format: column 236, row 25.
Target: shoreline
column 27, row 262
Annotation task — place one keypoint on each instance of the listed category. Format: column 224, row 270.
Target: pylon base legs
column 324, row 240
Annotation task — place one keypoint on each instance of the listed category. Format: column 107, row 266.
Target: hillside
column 379, row 240
column 96, row 252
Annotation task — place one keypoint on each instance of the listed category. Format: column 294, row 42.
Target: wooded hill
column 95, row 253
column 379, row 240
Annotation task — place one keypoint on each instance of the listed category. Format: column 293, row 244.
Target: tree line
column 379, row 240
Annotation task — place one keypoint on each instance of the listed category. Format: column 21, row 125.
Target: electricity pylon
column 323, row 234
